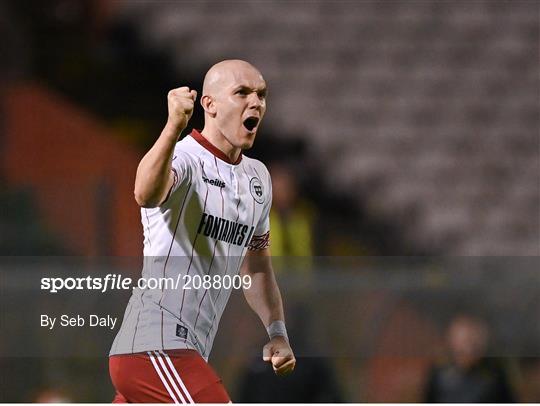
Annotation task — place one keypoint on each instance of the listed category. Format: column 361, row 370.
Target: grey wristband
column 277, row 328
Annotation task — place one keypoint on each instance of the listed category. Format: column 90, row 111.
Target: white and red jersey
column 215, row 212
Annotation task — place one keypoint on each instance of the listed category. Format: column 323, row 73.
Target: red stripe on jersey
column 259, row 242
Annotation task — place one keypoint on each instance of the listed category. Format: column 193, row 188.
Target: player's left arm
column 264, row 298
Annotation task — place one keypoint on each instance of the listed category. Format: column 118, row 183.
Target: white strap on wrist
column 277, row 328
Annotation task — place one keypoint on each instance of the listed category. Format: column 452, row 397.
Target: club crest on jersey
column 256, row 189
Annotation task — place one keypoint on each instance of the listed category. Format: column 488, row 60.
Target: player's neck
column 218, row 140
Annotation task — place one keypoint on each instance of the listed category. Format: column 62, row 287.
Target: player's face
column 240, row 106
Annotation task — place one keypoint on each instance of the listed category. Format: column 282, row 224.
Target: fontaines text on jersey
column 225, row 230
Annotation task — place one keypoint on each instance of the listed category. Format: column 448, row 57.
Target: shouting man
column 205, row 213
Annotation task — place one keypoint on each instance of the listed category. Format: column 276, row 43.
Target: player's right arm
column 154, row 177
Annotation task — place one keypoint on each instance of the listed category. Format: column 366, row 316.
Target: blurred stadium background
column 409, row 127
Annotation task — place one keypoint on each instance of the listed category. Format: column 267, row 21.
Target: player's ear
column 208, row 105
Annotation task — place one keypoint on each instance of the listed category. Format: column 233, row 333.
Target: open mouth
column 250, row 123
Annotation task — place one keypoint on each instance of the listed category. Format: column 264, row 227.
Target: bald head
column 234, row 103
column 222, row 74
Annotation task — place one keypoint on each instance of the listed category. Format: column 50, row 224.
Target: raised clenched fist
column 181, row 102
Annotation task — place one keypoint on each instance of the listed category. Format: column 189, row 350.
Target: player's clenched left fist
column 279, row 353
column 180, row 102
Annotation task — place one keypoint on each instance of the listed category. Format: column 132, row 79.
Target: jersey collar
column 197, row 136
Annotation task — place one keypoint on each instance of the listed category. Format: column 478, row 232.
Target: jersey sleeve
column 182, row 169
column 261, row 235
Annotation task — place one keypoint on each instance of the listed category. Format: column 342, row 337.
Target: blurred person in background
column 469, row 376
column 51, row 395
column 292, row 219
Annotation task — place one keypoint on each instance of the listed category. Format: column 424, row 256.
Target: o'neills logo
column 215, row 182
column 225, row 230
